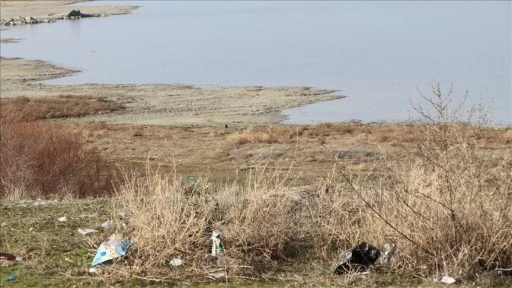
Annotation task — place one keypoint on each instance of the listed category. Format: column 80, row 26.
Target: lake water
column 379, row 54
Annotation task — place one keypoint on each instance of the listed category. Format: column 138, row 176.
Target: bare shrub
column 47, row 160
column 449, row 202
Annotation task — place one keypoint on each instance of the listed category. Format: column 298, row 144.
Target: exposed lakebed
column 377, row 54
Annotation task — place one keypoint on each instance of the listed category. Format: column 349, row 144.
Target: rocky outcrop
column 24, row 20
column 73, row 15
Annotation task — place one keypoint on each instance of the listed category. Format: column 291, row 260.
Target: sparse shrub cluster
column 46, row 160
column 25, row 109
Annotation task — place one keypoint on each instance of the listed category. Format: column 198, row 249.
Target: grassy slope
column 56, row 255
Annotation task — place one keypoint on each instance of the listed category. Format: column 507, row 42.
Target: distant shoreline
column 151, row 104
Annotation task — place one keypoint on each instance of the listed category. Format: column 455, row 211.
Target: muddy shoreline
column 176, row 105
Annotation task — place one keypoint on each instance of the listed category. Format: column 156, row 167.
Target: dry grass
column 65, row 106
column 392, row 134
column 439, row 190
column 446, row 204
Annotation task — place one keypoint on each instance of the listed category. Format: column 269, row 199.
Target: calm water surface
column 379, row 54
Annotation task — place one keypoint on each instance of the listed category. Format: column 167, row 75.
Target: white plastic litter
column 219, row 275
column 63, row 219
column 447, row 280
column 217, row 246
column 176, row 262
column 93, row 270
column 387, row 254
column 86, row 231
column 107, row 225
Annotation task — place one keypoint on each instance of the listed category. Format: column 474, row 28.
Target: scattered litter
column 11, row 277
column 107, row 225
column 217, row 246
column 218, row 275
column 94, row 270
column 10, row 257
column 191, row 178
column 500, row 265
column 447, row 280
column 63, row 219
column 386, row 254
column 86, row 231
column 357, row 259
column 114, row 248
column 176, row 262
column 69, row 260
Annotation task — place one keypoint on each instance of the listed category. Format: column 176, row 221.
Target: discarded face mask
column 217, row 246
column 358, row 259
column 114, row 248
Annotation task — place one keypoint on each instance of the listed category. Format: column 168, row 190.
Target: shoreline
column 149, row 104
column 35, row 12
column 162, row 104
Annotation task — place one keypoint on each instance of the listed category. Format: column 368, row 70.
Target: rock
column 74, row 13
column 23, row 20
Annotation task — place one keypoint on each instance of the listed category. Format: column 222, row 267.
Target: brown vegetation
column 27, row 109
column 446, row 203
column 48, row 160
column 284, row 195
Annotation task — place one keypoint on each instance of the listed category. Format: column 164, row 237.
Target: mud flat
column 176, row 105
